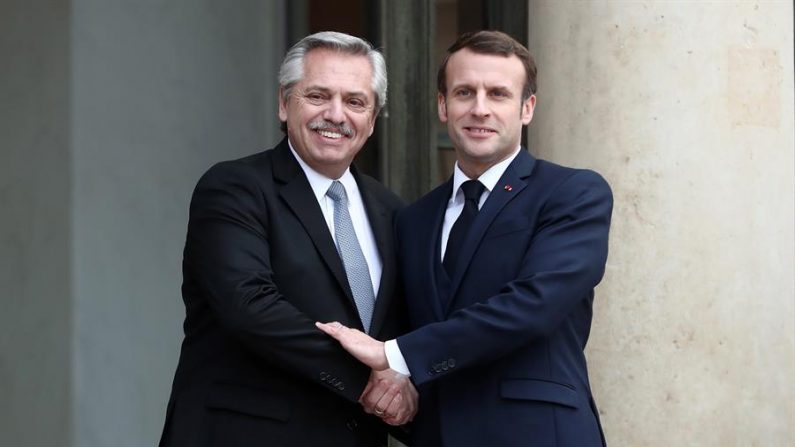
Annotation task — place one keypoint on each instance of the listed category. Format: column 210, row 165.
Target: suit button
column 341, row 387
column 445, row 367
column 451, row 363
column 352, row 424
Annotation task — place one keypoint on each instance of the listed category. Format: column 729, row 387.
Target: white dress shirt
column 455, row 205
column 361, row 225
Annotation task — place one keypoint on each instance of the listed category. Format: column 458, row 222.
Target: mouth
column 331, row 131
column 330, row 134
column 479, row 131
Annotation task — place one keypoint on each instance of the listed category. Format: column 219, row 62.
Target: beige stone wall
column 687, row 109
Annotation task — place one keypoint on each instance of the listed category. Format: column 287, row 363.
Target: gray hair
column 292, row 69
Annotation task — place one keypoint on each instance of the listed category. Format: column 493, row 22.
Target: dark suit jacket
column 259, row 268
column 497, row 353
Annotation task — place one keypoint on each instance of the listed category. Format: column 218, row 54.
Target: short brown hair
column 491, row 42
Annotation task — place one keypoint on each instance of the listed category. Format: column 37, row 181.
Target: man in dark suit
column 499, row 266
column 276, row 241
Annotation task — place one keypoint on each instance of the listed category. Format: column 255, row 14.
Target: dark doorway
column 409, row 151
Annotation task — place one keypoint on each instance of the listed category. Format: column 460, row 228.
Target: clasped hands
column 388, row 394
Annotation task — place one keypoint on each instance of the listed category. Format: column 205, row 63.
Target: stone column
column 408, row 139
column 687, row 109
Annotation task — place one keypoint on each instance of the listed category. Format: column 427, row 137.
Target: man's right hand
column 365, row 348
column 390, row 396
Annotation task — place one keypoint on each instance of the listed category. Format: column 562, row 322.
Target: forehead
column 466, row 67
column 333, row 70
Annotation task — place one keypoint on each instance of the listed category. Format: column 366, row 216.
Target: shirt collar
column 489, row 178
column 319, row 182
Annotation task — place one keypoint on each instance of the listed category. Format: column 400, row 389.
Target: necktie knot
column 473, row 189
column 337, row 192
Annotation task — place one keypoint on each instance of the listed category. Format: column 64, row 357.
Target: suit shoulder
column 559, row 175
column 571, row 189
column 238, row 169
column 247, row 162
column 381, row 192
column 426, row 203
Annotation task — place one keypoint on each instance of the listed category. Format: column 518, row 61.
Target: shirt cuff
column 395, row 358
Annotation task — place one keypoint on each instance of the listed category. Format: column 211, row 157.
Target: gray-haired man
column 277, row 241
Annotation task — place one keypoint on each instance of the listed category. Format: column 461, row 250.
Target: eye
column 357, row 104
column 500, row 94
column 315, row 98
column 463, row 93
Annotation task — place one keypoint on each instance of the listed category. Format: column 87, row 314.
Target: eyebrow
column 501, row 87
column 317, row 88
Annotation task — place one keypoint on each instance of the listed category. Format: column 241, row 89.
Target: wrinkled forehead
column 338, row 70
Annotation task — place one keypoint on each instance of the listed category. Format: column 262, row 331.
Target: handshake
column 388, row 394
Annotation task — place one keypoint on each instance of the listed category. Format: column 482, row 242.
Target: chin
column 479, row 153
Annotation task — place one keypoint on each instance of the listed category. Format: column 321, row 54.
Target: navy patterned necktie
column 352, row 257
column 473, row 189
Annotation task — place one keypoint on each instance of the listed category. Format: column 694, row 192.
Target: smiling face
column 331, row 111
column 483, row 108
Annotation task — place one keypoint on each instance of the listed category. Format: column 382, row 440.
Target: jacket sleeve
column 227, row 253
column 564, row 261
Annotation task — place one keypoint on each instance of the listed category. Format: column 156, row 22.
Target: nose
column 480, row 107
column 334, row 111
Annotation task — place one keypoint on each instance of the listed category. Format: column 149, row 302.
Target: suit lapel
column 509, row 186
column 381, row 224
column 298, row 195
column 429, row 228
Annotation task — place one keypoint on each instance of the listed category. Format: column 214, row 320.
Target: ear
column 441, row 107
column 372, row 124
column 282, row 106
column 527, row 110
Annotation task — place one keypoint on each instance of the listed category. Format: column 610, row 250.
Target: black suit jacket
column 259, row 268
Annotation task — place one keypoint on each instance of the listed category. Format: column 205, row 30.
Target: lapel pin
column 508, row 188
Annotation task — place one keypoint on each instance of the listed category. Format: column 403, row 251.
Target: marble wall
column 110, row 110
column 687, row 109
column 160, row 92
column 35, row 216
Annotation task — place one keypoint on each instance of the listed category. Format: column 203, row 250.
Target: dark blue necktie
column 473, row 189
